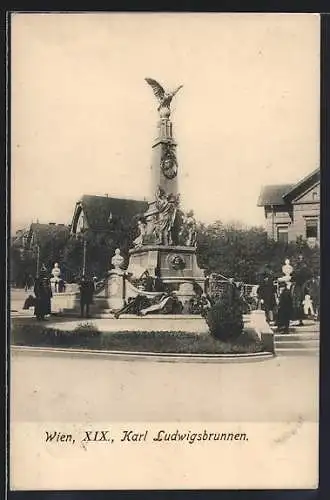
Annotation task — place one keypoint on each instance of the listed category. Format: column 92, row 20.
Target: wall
column 278, row 215
column 301, row 211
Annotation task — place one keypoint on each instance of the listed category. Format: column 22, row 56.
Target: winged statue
column 164, row 97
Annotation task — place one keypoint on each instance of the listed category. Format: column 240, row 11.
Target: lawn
column 86, row 336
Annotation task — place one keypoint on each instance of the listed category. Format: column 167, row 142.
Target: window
column 311, row 228
column 282, row 233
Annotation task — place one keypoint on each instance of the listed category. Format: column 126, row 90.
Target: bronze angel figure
column 164, row 98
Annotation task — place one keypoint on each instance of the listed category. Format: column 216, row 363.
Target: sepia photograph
column 164, row 250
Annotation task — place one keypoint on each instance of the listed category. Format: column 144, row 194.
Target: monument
column 163, row 248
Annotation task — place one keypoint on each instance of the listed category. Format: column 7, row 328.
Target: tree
column 246, row 253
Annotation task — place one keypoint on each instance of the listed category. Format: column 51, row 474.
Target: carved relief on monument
column 168, row 162
column 176, row 262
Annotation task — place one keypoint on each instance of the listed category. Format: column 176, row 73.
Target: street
column 66, row 387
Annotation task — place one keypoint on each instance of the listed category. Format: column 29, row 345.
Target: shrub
column 225, row 317
column 86, row 330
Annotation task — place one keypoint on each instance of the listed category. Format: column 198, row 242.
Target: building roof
column 51, row 230
column 303, row 185
column 280, row 194
column 273, row 194
column 102, row 211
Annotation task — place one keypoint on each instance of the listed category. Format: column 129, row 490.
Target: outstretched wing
column 156, row 87
column 176, row 90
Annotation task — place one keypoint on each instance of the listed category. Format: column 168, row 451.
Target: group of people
column 293, row 299
column 43, row 294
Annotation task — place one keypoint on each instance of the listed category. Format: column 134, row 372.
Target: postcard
column 164, row 251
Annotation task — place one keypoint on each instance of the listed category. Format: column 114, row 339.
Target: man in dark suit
column 86, row 295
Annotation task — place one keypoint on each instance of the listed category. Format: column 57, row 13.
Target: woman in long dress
column 43, row 294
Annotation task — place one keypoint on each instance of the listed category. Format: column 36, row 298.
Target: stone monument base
column 176, row 266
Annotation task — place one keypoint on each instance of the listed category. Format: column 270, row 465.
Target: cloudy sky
column 83, row 118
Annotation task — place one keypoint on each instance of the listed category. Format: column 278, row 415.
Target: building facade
column 293, row 210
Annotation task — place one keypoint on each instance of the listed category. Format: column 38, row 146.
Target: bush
column 225, row 317
column 86, row 330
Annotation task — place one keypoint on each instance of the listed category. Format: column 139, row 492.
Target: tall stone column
column 164, row 166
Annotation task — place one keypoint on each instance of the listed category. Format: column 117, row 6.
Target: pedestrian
column 312, row 288
column 26, row 282
column 43, row 294
column 86, row 295
column 300, row 276
column 30, row 282
column 267, row 297
column 285, row 308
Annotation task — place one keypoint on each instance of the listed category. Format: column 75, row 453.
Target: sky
column 83, row 119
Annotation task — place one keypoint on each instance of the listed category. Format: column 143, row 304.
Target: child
column 308, row 306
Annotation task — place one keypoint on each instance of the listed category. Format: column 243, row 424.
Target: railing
column 218, row 283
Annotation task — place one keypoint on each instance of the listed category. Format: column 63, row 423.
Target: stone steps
column 295, row 351
column 297, row 344
column 302, row 341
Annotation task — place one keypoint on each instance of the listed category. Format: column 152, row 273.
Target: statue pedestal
column 175, row 265
column 115, row 290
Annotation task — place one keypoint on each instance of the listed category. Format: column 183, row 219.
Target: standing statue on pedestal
column 167, row 206
column 142, row 226
column 164, row 98
column 188, row 234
